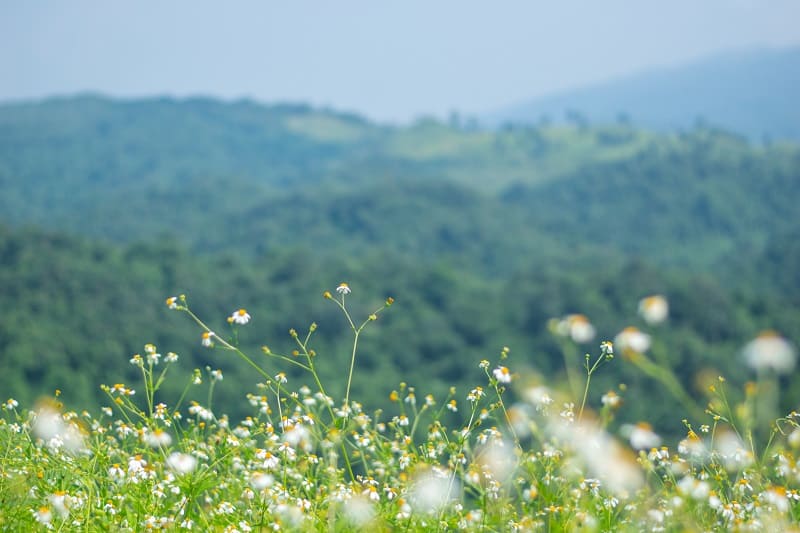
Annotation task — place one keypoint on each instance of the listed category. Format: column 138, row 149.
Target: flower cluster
column 520, row 454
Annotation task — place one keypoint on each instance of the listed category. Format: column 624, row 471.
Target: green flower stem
column 569, row 354
column 121, row 407
column 304, row 346
column 508, row 418
column 211, row 385
column 356, row 333
column 417, row 415
column 668, row 379
column 766, row 405
column 229, row 346
column 147, row 387
column 463, row 437
column 729, row 418
column 495, row 384
column 243, row 355
column 350, row 374
column 589, row 371
column 269, row 379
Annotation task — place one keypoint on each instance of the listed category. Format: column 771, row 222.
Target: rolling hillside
column 250, row 178
column 108, row 207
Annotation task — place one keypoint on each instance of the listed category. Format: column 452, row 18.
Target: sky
column 391, row 61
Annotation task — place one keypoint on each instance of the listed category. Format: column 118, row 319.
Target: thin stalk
column 589, row 372
column 567, row 352
column 417, row 415
column 350, row 374
column 464, row 439
column 244, row 356
column 356, row 333
column 508, row 418
column 495, row 384
column 304, row 346
column 668, row 379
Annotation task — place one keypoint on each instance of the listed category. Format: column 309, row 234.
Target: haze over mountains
column 752, row 92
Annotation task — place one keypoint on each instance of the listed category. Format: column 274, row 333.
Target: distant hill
column 249, row 177
column 755, row 93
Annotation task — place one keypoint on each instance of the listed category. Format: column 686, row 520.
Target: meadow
column 513, row 452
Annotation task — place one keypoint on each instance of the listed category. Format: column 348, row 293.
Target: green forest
column 481, row 237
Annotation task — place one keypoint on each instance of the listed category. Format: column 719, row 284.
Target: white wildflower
column 343, row 288
column 157, row 438
column 654, row 309
column 631, row 339
column 240, row 317
column 642, row 436
column 182, row 463
column 207, row 339
column 502, row 375
column 770, row 351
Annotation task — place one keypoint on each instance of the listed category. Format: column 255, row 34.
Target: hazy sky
column 388, row 60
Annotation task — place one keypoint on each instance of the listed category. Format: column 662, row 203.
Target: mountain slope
column 481, row 237
column 75, row 312
column 755, row 93
column 705, row 202
column 249, row 178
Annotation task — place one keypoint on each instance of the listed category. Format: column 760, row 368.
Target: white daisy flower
column 502, row 375
column 240, row 317
column 207, row 338
column 343, row 288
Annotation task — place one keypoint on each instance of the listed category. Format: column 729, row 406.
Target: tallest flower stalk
column 344, row 289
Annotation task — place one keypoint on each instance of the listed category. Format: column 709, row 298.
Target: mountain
column 251, row 178
column 481, row 236
column 755, row 93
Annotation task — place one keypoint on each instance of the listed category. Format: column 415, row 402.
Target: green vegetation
column 481, row 237
column 524, row 456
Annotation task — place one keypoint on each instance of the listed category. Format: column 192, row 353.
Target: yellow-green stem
column 350, row 375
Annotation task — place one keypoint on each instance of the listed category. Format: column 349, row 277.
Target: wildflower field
column 516, row 452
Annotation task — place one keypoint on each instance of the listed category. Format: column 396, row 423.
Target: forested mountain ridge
column 75, row 312
column 480, row 236
column 246, row 177
column 706, row 200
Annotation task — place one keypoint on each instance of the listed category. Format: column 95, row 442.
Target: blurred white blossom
column 770, row 351
column 654, row 309
column 631, row 339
